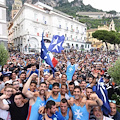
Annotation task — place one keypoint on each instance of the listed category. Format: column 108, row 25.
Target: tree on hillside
column 113, row 38
column 118, row 39
column 3, row 54
column 102, row 35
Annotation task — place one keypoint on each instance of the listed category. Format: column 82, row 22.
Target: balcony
column 59, row 26
column 66, row 29
column 72, row 30
column 77, row 31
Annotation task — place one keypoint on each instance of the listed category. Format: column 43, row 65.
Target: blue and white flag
column 103, row 95
column 45, row 55
column 56, row 44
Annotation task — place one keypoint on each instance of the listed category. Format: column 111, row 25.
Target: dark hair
column 33, row 81
column 15, row 81
column 33, row 64
column 49, row 104
column 64, row 74
column 77, row 87
column 55, row 84
column 72, row 58
column 89, row 88
column 82, row 81
column 23, row 73
column 64, row 100
column 43, row 83
column 33, row 58
column 71, row 83
column 19, row 93
column 64, row 85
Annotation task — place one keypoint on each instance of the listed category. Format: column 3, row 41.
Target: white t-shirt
column 69, row 63
column 107, row 118
column 4, row 114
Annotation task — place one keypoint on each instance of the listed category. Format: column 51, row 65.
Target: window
column 0, row 13
column 0, row 29
column 85, row 45
column 77, row 46
column 88, row 46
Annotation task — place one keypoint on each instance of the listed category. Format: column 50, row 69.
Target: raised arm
column 25, row 91
column 2, row 105
column 94, row 100
column 64, row 56
column 82, row 61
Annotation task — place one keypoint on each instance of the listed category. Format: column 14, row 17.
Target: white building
column 3, row 23
column 95, row 15
column 32, row 20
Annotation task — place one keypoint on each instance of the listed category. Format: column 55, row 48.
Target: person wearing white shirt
column 99, row 114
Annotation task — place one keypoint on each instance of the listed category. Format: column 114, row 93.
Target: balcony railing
column 72, row 30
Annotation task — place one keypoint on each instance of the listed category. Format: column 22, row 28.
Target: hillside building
column 3, row 23
column 30, row 22
column 98, row 43
column 16, row 7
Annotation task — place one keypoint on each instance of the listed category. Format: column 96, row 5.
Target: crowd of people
column 30, row 91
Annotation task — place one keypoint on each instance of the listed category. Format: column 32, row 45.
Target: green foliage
column 112, row 12
column 111, row 37
column 114, row 71
column 103, row 35
column 3, row 55
column 116, row 98
column 71, row 10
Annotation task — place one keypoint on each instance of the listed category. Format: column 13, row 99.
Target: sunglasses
column 112, row 101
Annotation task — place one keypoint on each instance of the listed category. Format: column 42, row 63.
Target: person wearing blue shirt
column 81, row 107
column 32, row 70
column 51, row 112
column 64, row 110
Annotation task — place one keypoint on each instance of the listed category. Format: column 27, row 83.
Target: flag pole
column 39, row 66
column 39, row 72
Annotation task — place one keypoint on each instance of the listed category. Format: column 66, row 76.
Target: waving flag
column 102, row 94
column 56, row 44
column 45, row 55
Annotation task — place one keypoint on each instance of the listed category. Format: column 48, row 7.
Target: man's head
column 98, row 112
column 77, row 92
column 42, row 88
column 71, row 87
column 23, row 76
column 51, row 107
column 57, row 79
column 18, row 99
column 88, row 92
column 90, row 80
column 113, row 107
column 63, row 89
column 16, row 85
column 74, row 77
column 33, row 66
column 8, row 91
column 33, row 85
column 63, row 105
column 5, row 78
column 14, row 76
column 83, row 84
column 72, row 61
column 55, row 89
column 33, row 60
column 46, row 77
column 64, row 78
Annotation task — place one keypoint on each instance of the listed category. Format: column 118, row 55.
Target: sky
column 105, row 5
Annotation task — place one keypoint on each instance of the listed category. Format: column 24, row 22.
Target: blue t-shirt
column 56, row 116
column 36, row 71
